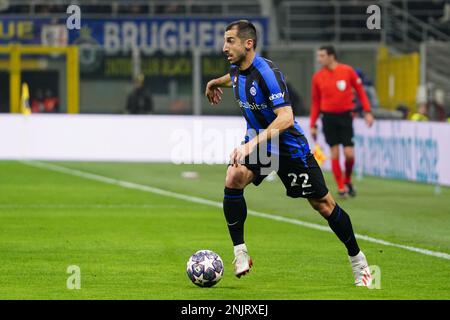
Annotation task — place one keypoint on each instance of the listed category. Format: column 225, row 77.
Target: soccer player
column 260, row 90
column 332, row 96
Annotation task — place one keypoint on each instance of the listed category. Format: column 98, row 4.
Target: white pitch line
column 136, row 186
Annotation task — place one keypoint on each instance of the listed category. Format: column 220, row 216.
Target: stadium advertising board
column 392, row 149
column 106, row 46
column 400, row 150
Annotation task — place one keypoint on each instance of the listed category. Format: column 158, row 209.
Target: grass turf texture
column 132, row 244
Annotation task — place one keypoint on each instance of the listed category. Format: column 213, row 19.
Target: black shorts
column 299, row 179
column 338, row 128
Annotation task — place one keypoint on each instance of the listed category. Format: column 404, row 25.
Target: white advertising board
column 394, row 149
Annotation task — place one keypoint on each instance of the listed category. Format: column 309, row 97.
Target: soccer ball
column 205, row 268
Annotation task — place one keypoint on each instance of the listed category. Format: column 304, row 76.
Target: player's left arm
column 213, row 88
column 357, row 84
column 278, row 100
column 283, row 121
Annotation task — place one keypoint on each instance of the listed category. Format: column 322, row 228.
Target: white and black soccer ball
column 205, row 268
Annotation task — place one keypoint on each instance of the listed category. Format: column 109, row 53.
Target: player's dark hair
column 245, row 30
column 330, row 50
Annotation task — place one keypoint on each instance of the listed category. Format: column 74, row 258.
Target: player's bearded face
column 234, row 47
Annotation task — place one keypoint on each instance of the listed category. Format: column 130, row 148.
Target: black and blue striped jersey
column 259, row 90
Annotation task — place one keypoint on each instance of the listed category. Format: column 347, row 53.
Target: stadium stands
column 407, row 26
column 139, row 7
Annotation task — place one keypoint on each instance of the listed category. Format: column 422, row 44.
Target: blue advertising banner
column 119, row 35
column 106, row 45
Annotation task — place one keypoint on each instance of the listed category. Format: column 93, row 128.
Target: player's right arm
column 213, row 88
column 356, row 83
column 315, row 107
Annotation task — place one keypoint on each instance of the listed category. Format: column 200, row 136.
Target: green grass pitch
column 131, row 244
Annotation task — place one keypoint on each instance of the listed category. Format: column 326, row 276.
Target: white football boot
column 242, row 261
column 361, row 271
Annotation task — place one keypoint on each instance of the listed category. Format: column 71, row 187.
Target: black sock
column 235, row 211
column 340, row 223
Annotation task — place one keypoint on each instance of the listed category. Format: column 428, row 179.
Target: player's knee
column 335, row 154
column 324, row 206
column 349, row 153
column 320, row 207
column 236, row 178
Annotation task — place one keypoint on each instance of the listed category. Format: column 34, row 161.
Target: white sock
column 240, row 247
column 358, row 258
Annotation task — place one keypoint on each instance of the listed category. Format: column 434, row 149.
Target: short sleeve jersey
column 259, row 90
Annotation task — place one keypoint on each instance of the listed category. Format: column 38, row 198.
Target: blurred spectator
column 404, row 110
column 421, row 114
column 206, row 9
column 134, row 9
column 42, row 9
column 51, row 102
column 37, row 103
column 139, row 101
column 370, row 92
column 436, row 109
column 171, row 8
column 44, row 103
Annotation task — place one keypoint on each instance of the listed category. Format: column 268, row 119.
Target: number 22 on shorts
column 301, row 175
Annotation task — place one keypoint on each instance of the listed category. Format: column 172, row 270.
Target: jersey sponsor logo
column 251, row 106
column 341, row 85
column 276, row 96
column 253, row 91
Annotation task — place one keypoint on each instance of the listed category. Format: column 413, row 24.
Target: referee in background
column 332, row 96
